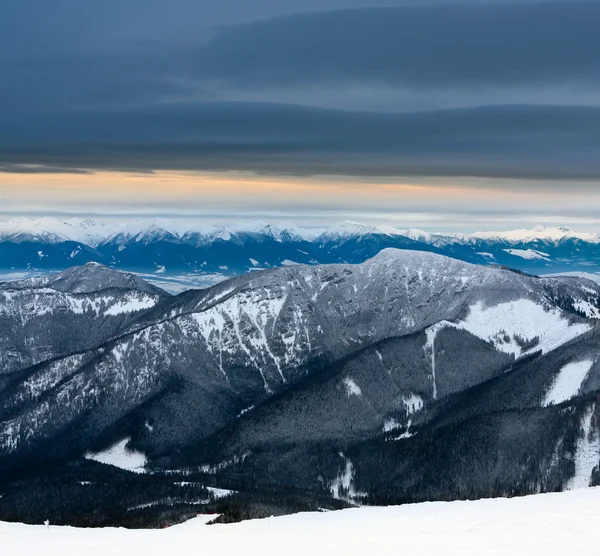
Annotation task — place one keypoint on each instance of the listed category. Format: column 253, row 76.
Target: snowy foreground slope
column 544, row 524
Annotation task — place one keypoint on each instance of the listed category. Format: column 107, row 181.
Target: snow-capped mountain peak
column 280, row 231
column 349, row 229
column 92, row 232
column 191, row 245
column 296, row 232
column 542, row 233
column 90, row 277
column 417, row 235
column 51, row 230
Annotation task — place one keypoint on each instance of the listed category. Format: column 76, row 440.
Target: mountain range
column 411, row 376
column 183, row 246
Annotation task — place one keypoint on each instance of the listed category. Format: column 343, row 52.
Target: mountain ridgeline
column 175, row 247
column 412, row 376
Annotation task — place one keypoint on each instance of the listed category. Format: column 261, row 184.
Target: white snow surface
column 391, row 425
column 342, row 487
column 587, row 308
column 52, row 230
column 587, row 455
column 178, row 283
column 500, row 324
column 545, row 525
column 120, row 456
column 568, row 382
column 352, row 389
column 538, row 233
column 529, row 254
column 94, row 232
column 412, row 403
column 349, row 228
column 132, row 303
column 587, row 275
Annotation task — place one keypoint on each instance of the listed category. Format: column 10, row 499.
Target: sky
column 432, row 114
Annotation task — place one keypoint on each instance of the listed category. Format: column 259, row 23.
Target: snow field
column 120, row 456
column 528, row 254
column 545, row 525
column 500, row 324
column 568, row 382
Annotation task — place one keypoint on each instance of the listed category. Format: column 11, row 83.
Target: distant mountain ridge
column 188, row 246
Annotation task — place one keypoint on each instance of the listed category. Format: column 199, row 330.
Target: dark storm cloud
column 38, row 169
column 108, row 85
column 506, row 141
column 484, row 45
column 470, row 45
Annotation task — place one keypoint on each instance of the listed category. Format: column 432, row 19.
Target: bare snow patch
column 218, row 493
column 529, row 254
column 406, row 434
column 568, row 382
column 352, row 389
column 391, row 425
column 594, row 277
column 131, row 304
column 501, row 325
column 587, row 309
column 342, row 488
column 587, row 454
column 413, row 404
column 120, row 456
column 429, row 348
column 244, row 411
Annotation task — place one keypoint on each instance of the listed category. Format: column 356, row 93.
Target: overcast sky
column 432, row 113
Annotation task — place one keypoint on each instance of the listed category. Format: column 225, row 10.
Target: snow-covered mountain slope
column 544, row 525
column 191, row 364
column 350, row 229
column 585, row 275
column 186, row 245
column 371, row 433
column 539, row 233
column 52, row 230
column 92, row 233
column 90, row 278
column 43, row 318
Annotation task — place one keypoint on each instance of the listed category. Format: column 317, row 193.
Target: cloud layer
column 486, row 89
column 549, row 142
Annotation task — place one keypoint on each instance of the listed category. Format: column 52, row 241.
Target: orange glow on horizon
column 449, row 203
column 183, row 185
